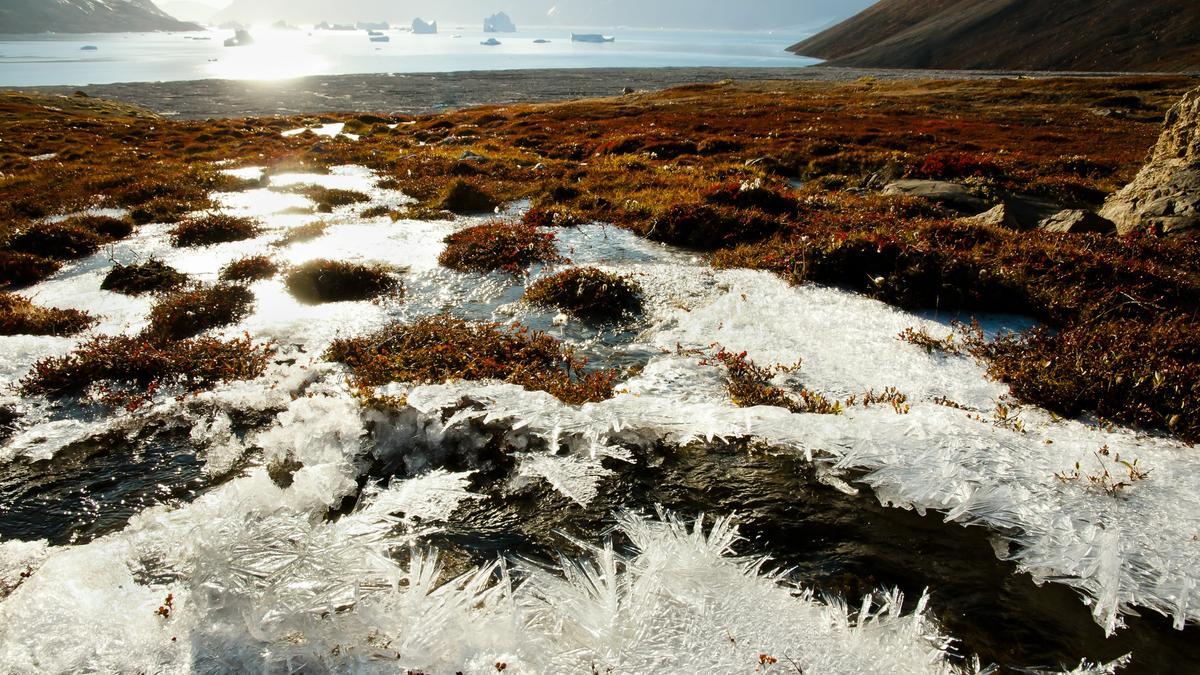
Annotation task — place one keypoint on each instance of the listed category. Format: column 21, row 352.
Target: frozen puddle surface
column 277, row 525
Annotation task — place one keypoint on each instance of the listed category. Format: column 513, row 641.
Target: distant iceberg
column 419, row 27
column 241, row 38
column 490, row 42
column 499, row 23
column 591, row 37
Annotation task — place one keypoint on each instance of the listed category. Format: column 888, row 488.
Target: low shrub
column 152, row 276
column 213, row 228
column 321, row 281
column 188, row 313
column 751, row 195
column 105, row 227
column 63, row 241
column 163, row 210
column 589, row 294
column 19, row 316
column 498, row 245
column 1140, row 372
column 127, row 371
column 23, row 269
column 552, row 216
column 307, row 232
column 252, row 268
column 465, row 197
column 444, row 348
column 327, row 199
column 749, row 385
column 706, row 228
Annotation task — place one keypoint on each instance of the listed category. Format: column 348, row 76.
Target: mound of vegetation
column 498, row 245
column 465, row 197
column 307, row 232
column 213, row 228
column 23, row 269
column 327, row 199
column 321, row 281
column 589, row 294
column 152, row 276
column 62, row 241
column 252, row 268
column 19, row 316
column 188, row 313
column 127, row 371
column 443, row 348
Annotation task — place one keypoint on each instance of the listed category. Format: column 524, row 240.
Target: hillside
column 86, row 16
column 1118, row 35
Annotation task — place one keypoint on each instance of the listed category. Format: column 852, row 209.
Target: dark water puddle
column 834, row 543
column 95, row 487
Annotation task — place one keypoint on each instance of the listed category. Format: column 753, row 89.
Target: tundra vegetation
column 779, row 176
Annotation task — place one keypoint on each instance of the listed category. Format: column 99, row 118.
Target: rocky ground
column 436, row 92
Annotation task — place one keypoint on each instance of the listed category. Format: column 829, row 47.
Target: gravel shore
column 435, row 92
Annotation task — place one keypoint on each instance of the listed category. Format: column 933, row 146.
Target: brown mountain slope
column 1112, row 35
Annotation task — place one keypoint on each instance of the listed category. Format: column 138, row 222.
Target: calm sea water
column 31, row 60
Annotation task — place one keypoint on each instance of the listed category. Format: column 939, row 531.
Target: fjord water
column 47, row 60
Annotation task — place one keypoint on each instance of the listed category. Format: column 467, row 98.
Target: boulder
column 952, row 195
column 1000, row 215
column 1077, row 221
column 1165, row 195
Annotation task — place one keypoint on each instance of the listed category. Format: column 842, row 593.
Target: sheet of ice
column 331, row 130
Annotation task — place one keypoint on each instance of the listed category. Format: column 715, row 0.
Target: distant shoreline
column 422, row 93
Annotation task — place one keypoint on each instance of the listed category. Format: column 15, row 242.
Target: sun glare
column 275, row 55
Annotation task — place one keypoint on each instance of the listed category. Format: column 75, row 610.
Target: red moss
column 126, row 371
column 152, row 276
column 443, row 348
column 498, row 245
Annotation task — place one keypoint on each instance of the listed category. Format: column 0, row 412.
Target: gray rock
column 949, row 194
column 468, row 156
column 1165, row 195
column 1000, row 215
column 1077, row 221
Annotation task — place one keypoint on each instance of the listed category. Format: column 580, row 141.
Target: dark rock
column 952, row 195
column 1077, row 221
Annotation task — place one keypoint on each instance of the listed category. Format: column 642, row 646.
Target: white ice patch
column 331, row 130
